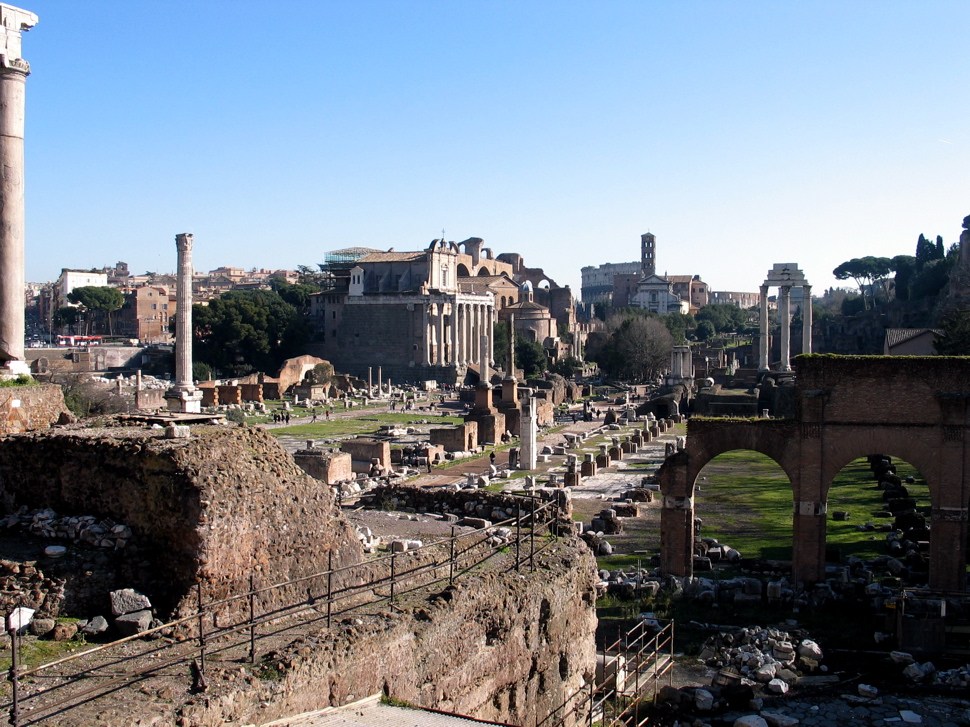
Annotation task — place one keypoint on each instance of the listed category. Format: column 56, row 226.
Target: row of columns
column 784, row 315
column 458, row 333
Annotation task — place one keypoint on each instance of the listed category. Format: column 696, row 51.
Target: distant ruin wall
column 27, row 408
column 216, row 507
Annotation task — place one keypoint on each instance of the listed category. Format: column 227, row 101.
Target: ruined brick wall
column 364, row 449
column 502, row 646
column 214, row 508
column 328, row 467
column 26, row 408
column 459, row 438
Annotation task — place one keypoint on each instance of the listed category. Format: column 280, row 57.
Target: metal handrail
column 457, row 556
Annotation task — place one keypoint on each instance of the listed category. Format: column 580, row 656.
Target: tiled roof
column 896, row 336
column 393, row 257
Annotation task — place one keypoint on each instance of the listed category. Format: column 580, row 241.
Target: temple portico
column 784, row 276
column 13, row 83
column 457, row 329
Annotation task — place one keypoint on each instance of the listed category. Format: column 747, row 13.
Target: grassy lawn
column 854, row 490
column 362, row 425
column 745, row 501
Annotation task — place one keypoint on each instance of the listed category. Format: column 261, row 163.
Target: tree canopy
column 101, row 299
column 247, row 330
column 866, row 272
column 638, row 349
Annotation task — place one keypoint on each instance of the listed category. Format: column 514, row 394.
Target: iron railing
column 231, row 627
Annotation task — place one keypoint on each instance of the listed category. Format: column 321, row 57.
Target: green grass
column 361, row 425
column 854, row 490
column 746, row 502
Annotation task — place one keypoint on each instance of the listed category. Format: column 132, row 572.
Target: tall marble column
column 441, row 334
column 183, row 396
column 784, row 315
column 763, row 363
column 13, row 84
column 426, row 322
column 806, row 319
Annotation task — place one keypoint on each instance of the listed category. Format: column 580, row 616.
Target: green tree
column 679, row 325
column 637, row 350
column 530, row 356
column 296, row 295
column 905, row 268
column 955, row 339
column 500, row 343
column 566, row 367
column 866, row 272
column 66, row 316
column 705, row 330
column 247, row 330
column 320, row 374
column 101, row 299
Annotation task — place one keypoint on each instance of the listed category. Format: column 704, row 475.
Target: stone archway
column 846, row 407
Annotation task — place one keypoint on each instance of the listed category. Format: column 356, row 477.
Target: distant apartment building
column 742, row 300
column 71, row 279
column 146, row 313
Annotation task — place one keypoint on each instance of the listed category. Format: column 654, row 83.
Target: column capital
column 13, row 21
column 183, row 242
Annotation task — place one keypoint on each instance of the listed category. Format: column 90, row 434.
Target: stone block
column 42, row 626
column 177, row 431
column 64, row 632
column 94, row 627
column 137, row 622
column 128, row 600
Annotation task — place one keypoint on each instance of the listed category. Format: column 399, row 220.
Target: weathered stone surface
column 64, row 632
column 134, row 623
column 128, row 600
column 42, row 626
column 750, row 720
column 97, row 625
column 232, row 494
column 777, row 719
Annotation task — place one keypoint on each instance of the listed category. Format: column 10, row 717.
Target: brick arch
column 913, row 446
column 708, row 443
column 846, row 407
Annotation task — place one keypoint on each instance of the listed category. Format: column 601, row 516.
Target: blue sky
column 740, row 133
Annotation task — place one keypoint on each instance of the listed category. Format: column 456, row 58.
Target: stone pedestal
column 529, row 429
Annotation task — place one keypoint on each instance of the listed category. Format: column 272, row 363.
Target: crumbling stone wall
column 25, row 408
column 459, row 438
column 503, row 646
column 214, row 508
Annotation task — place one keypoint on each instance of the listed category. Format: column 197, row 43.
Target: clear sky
column 740, row 133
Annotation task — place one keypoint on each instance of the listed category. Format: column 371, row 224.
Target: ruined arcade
column 912, row 408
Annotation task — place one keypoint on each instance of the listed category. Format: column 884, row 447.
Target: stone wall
column 28, row 408
column 214, row 508
column 503, row 646
column 326, row 466
column 459, row 438
column 364, row 449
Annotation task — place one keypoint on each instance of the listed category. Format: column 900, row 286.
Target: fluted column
column 13, row 86
column 785, row 322
column 426, row 322
column 183, row 396
column 806, row 319
column 441, row 334
column 763, row 341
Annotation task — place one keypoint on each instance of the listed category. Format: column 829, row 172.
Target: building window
column 154, row 306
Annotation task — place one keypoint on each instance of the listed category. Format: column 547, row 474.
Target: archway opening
column 879, row 506
column 463, row 271
column 743, row 501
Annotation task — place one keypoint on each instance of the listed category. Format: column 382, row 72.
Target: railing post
column 532, row 534
column 518, row 533
column 198, row 591
column 329, row 586
column 592, row 695
column 451, row 558
column 14, row 679
column 393, row 574
column 252, row 618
